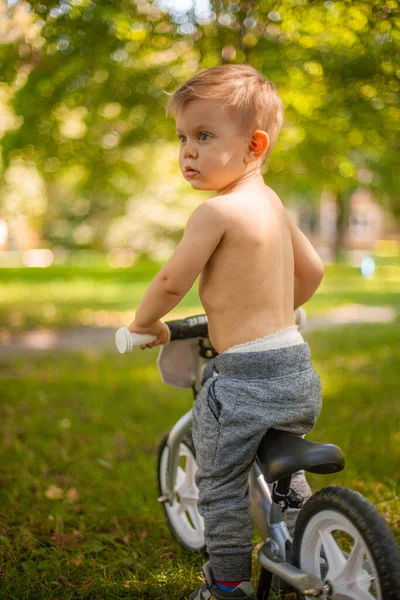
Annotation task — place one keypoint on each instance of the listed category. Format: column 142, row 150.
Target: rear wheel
column 183, row 517
column 341, row 538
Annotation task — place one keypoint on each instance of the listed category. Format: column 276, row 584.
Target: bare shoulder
column 207, row 215
column 273, row 195
column 220, row 202
column 220, row 208
column 277, row 203
column 230, row 207
column 225, row 204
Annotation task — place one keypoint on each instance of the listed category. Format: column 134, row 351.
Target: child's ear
column 257, row 146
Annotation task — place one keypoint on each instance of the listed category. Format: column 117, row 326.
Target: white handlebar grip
column 125, row 340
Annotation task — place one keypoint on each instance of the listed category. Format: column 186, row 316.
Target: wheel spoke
column 196, row 518
column 191, row 469
column 353, row 567
column 180, row 478
column 334, row 555
column 360, row 594
column 347, row 576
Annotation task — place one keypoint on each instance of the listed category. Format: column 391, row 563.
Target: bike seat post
column 279, row 535
column 282, row 487
column 279, row 499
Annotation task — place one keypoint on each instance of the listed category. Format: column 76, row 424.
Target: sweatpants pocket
column 205, row 428
column 212, row 412
column 213, row 403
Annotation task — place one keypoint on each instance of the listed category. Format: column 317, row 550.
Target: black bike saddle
column 281, row 453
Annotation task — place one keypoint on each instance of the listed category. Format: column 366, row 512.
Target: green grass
column 79, row 432
column 83, row 428
column 64, row 296
column 91, row 424
column 345, row 285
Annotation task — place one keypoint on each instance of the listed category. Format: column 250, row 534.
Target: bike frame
column 268, row 516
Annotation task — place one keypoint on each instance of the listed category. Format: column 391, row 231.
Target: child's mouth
column 191, row 173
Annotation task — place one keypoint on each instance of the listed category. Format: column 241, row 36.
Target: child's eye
column 200, row 134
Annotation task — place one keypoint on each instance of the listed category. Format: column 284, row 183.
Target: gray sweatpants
column 249, row 393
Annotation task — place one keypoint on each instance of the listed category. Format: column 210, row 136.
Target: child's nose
column 189, row 150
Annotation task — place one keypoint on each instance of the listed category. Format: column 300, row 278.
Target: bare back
column 247, row 285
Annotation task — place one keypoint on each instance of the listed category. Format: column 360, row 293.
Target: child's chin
column 201, row 185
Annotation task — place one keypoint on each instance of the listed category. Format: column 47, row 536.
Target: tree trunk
column 343, row 201
column 340, row 226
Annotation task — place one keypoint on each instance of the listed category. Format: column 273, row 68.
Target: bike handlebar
column 182, row 329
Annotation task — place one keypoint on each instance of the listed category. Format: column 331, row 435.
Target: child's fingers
column 150, row 345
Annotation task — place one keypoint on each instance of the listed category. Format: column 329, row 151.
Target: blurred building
column 366, row 225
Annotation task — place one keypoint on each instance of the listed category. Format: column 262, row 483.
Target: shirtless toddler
column 255, row 269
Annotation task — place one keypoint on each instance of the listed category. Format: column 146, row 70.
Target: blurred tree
column 85, row 80
column 87, row 88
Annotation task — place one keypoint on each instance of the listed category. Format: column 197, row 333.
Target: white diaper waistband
column 290, row 336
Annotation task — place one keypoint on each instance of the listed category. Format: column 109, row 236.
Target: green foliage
column 88, row 79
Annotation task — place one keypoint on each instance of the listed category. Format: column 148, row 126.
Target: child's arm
column 203, row 232
column 308, row 267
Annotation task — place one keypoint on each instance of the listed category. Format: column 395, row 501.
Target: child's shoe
column 210, row 590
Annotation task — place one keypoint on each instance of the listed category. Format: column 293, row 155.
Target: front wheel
column 183, row 518
column 341, row 538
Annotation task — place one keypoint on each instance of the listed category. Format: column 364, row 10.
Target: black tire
column 264, row 585
column 182, row 528
column 380, row 553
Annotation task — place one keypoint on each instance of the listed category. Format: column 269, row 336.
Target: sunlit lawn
column 62, row 296
column 80, row 516
column 79, row 436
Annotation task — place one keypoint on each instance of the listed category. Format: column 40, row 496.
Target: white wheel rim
column 183, row 514
column 351, row 571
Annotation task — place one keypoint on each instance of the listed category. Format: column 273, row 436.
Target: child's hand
column 158, row 328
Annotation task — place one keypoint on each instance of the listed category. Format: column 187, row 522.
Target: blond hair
column 241, row 87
